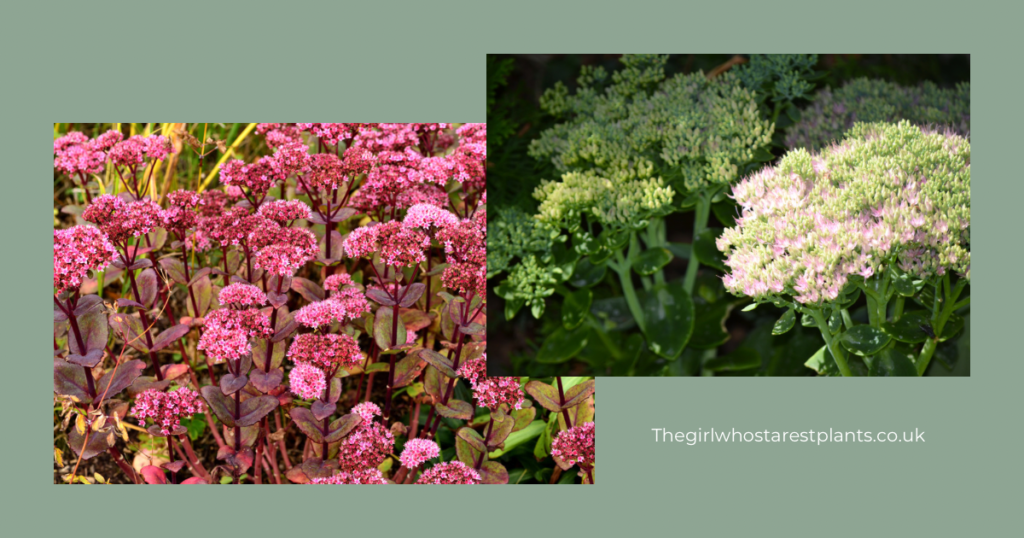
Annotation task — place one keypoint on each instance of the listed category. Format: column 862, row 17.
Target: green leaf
column 709, row 324
column 807, row 320
column 835, row 321
column 905, row 284
column 668, row 319
column 725, row 211
column 785, row 323
column 864, row 340
column 587, row 273
column 382, row 327
column 517, row 438
column 562, row 345
column 909, row 327
column 823, row 363
column 707, row 252
column 743, row 358
column 749, row 307
column 651, row 260
column 891, row 362
column 575, row 308
column 512, row 308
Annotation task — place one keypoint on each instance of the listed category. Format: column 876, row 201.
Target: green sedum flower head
column 831, row 113
column 629, row 144
column 515, row 233
column 889, row 194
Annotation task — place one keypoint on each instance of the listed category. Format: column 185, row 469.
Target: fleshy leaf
column 562, row 345
column 221, row 405
column 307, row 422
column 116, row 380
column 69, row 380
column 864, row 340
column 169, row 336
column 412, row 293
column 546, row 395
column 439, row 361
column 457, row 409
column 576, row 307
column 338, row 429
column 255, row 409
column 785, row 323
column 651, row 260
column 668, row 319
column 93, row 328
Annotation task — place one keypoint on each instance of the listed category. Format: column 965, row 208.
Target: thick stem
column 127, row 469
column 145, row 326
column 193, row 461
column 626, row 279
column 73, row 320
column 188, row 279
column 833, row 345
column 391, row 358
column 273, row 326
column 238, row 414
column 700, row 223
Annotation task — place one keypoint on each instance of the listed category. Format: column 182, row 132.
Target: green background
column 405, row 61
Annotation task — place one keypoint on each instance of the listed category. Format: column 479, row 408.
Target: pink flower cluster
column 465, row 244
column 167, row 408
column 133, row 151
column 491, row 392
column 282, row 251
column 332, row 133
column 76, row 250
column 258, row 177
column 250, row 322
column 575, row 446
column 358, row 476
column 75, row 154
column 240, row 294
column 398, row 246
column 888, row 194
column 122, row 220
column 180, row 214
column 367, row 410
column 284, row 212
column 307, row 381
column 325, row 351
column 222, row 344
column 344, row 292
column 417, row 451
column 429, row 216
column 366, row 447
column 450, row 472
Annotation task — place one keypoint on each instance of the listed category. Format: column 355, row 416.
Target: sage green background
column 424, row 61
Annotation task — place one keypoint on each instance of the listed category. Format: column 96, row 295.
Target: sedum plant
column 833, row 111
column 632, row 147
column 318, row 317
column 885, row 213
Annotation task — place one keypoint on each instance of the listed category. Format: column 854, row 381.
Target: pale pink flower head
column 338, row 281
column 321, row 314
column 417, row 451
column 76, row 250
column 307, row 381
column 285, row 251
column 122, row 220
column 359, row 476
column 332, row 133
column 75, row 154
column 243, row 295
column 575, row 446
column 284, row 212
column 167, row 408
column 450, row 472
column 474, row 371
column 326, row 351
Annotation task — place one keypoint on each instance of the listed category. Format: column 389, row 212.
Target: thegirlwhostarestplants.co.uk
column 662, row 435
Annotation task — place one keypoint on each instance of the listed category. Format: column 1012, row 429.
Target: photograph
column 729, row 215
column 288, row 303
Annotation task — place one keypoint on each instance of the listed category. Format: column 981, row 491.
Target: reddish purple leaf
column 89, row 360
column 457, row 409
column 221, row 405
column 492, row 472
column 93, row 328
column 96, row 444
column 169, row 336
column 380, row 297
column 323, row 410
column 308, row 423
column 546, row 395
column 175, row 269
column 411, row 293
column 231, row 383
column 266, row 382
column 309, row 290
column 69, row 380
column 338, row 429
column 116, row 380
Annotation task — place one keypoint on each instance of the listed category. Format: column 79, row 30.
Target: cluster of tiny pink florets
column 307, row 381
column 427, row 216
column 180, row 214
column 76, row 250
column 325, row 351
column 450, row 472
column 282, row 251
column 417, row 451
column 241, row 294
column 491, row 392
column 122, row 220
column 133, row 151
column 367, row 410
column 366, row 447
column 167, row 408
column 75, row 154
column 358, row 476
column 398, row 245
column 284, row 212
column 251, row 322
column 575, row 446
column 222, row 344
